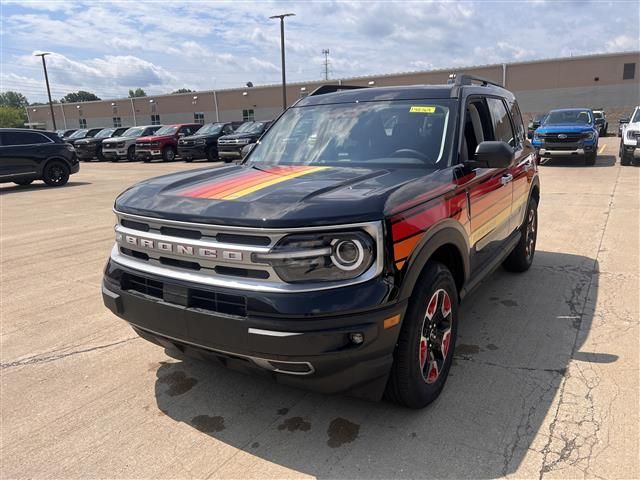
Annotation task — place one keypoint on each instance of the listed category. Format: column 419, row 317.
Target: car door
column 523, row 169
column 22, row 151
column 489, row 190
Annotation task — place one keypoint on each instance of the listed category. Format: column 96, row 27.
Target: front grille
column 208, row 300
column 143, row 145
column 556, row 137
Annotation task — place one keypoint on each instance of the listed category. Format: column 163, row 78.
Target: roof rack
column 333, row 89
column 466, row 79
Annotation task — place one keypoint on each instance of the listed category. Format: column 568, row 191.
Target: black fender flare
column 447, row 232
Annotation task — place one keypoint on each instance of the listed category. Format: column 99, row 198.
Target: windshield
column 79, row 133
column 210, row 128
column 105, row 133
column 250, row 127
column 636, row 116
column 568, row 116
column 166, row 131
column 133, row 132
column 381, row 134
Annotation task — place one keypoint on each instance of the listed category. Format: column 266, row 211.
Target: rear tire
column 56, row 173
column 521, row 258
column 131, row 153
column 23, row 182
column 168, row 154
column 424, row 352
column 625, row 160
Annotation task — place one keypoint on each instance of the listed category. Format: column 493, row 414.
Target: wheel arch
column 447, row 243
column 53, row 159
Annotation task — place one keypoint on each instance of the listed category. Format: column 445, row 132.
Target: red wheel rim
column 435, row 336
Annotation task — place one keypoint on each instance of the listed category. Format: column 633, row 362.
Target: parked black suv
column 230, row 146
column 204, row 143
column 82, row 133
column 334, row 257
column 28, row 155
column 90, row 148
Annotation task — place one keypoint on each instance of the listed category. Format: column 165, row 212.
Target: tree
column 12, row 117
column 138, row 92
column 13, row 99
column 79, row 96
column 183, row 90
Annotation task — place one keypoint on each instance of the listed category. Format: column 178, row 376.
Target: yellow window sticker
column 422, row 109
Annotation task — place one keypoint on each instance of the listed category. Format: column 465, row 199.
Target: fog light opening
column 356, row 338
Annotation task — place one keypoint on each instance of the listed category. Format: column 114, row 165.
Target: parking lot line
column 602, row 149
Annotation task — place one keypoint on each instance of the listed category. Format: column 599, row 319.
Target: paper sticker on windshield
column 422, row 109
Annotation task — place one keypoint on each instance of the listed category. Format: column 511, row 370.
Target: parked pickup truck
column 569, row 132
column 230, row 146
column 164, row 142
column 90, row 148
column 204, row 143
column 117, row 148
column 630, row 141
column 334, row 257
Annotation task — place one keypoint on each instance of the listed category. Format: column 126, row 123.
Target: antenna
column 325, row 65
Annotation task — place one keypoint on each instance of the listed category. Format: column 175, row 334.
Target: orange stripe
column 274, row 181
column 221, row 183
column 404, row 248
column 231, row 189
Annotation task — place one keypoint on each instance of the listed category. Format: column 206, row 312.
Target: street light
column 46, row 79
column 284, row 78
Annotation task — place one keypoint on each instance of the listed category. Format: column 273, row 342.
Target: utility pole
column 284, row 77
column 325, row 65
column 46, row 79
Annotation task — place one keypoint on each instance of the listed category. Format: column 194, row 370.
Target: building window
column 629, row 72
column 115, row 110
column 154, row 107
column 155, row 119
column 248, row 115
column 117, row 122
column 198, row 117
column 83, row 123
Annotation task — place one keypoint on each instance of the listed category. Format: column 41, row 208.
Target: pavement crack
column 47, row 358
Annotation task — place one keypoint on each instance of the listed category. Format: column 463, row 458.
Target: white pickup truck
column 117, row 148
column 630, row 140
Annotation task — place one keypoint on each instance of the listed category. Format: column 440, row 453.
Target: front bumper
column 75, row 168
column 148, row 154
column 230, row 152
column 114, row 153
column 86, row 153
column 192, row 151
column 314, row 352
column 546, row 150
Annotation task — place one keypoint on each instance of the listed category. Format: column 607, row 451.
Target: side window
column 477, row 127
column 228, row 129
column 24, row 138
column 518, row 125
column 501, row 124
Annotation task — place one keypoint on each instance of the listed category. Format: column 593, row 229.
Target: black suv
column 81, row 134
column 204, row 143
column 90, row 148
column 335, row 256
column 28, row 155
column 230, row 146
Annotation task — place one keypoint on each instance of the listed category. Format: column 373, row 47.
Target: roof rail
column 466, row 79
column 333, row 88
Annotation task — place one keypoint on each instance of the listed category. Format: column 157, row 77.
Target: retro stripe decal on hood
column 246, row 182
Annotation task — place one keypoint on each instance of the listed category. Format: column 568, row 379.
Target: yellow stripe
column 486, row 228
column 602, row 149
column 268, row 183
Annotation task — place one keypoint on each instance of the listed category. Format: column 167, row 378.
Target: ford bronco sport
column 334, row 257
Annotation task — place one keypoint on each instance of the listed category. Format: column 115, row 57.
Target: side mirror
column 492, row 154
column 625, row 120
column 246, row 149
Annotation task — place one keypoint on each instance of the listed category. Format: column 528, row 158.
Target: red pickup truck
column 164, row 144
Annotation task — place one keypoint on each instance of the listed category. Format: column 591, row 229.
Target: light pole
column 46, row 79
column 284, row 77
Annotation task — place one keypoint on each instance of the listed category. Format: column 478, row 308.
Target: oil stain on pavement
column 208, row 424
column 342, row 431
column 295, row 423
column 178, row 383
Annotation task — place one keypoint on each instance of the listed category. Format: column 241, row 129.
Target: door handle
column 506, row 179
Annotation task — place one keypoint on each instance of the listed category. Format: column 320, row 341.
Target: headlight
column 631, row 134
column 154, row 144
column 200, row 141
column 537, row 137
column 589, row 135
column 243, row 141
column 320, row 257
column 120, row 145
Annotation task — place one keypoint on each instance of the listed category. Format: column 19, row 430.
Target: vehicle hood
column 565, row 127
column 235, row 136
column 278, row 197
column 154, row 138
column 119, row 139
column 90, row 140
column 192, row 138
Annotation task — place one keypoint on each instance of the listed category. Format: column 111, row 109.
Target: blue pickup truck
column 568, row 132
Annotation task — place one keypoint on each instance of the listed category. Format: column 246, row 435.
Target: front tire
column 168, row 154
column 212, row 154
column 427, row 340
column 56, row 173
column 521, row 258
column 625, row 160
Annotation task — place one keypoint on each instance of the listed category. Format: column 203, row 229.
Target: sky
column 109, row 47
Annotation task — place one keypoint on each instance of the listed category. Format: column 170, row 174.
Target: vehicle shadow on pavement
column 601, row 161
column 516, row 337
column 38, row 186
